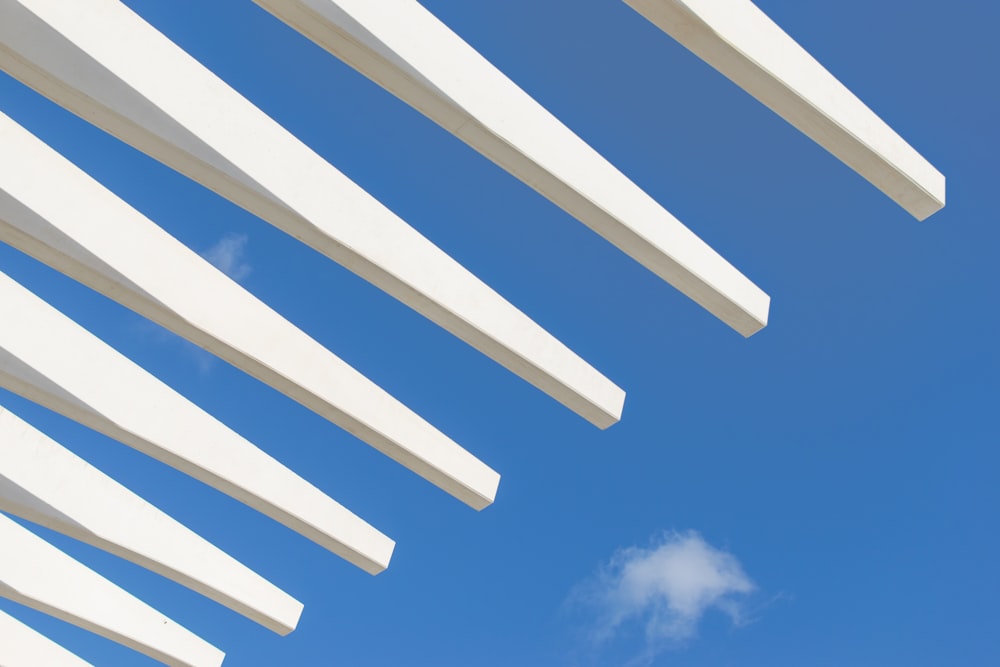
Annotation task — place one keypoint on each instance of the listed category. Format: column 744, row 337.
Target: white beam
column 51, row 360
column 100, row 60
column 36, row 574
column 406, row 50
column 91, row 235
column 21, row 646
column 45, row 483
column 738, row 39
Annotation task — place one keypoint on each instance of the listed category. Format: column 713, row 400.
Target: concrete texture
column 739, row 40
column 51, row 360
column 36, row 574
column 406, row 50
column 45, row 483
column 21, row 646
column 91, row 235
column 103, row 62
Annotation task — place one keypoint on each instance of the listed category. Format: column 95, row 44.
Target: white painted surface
column 738, row 39
column 51, row 360
column 21, row 646
column 100, row 60
column 45, row 483
column 36, row 574
column 91, row 235
column 406, row 50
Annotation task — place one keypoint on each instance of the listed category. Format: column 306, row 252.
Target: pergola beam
column 21, row 646
column 740, row 41
column 38, row 575
column 45, row 483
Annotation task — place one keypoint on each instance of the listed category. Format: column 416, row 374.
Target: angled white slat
column 36, row 574
column 100, row 60
column 51, row 360
column 739, row 40
column 21, row 646
column 45, row 483
column 405, row 49
column 92, row 235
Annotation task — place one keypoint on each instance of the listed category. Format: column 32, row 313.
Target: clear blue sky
column 845, row 458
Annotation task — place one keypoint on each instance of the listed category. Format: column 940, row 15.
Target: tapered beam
column 21, row 646
column 406, row 50
column 100, row 60
column 45, row 483
column 36, row 574
column 51, row 360
column 91, row 235
column 738, row 39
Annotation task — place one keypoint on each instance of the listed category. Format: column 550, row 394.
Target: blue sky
column 828, row 487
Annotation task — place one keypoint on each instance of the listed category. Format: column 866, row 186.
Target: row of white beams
column 38, row 575
column 171, row 107
column 743, row 43
column 91, row 235
column 101, row 61
column 49, row 359
column 45, row 483
column 405, row 49
column 22, row 646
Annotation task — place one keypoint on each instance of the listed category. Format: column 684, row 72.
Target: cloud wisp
column 229, row 256
column 664, row 591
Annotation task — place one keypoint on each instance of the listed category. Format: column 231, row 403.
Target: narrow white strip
column 49, row 359
column 43, row 482
column 739, row 40
column 21, row 646
column 91, row 235
column 100, row 60
column 405, row 49
column 36, row 574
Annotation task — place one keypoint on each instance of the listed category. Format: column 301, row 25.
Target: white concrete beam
column 21, row 646
column 45, row 483
column 739, row 40
column 100, row 60
column 91, row 235
column 36, row 574
column 51, row 360
column 406, row 50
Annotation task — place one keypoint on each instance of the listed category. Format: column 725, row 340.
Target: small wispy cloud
column 229, row 256
column 203, row 360
column 663, row 591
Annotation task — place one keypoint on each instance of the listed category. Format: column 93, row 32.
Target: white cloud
column 664, row 590
column 227, row 255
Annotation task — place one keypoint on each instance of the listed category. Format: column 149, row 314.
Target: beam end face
column 922, row 208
